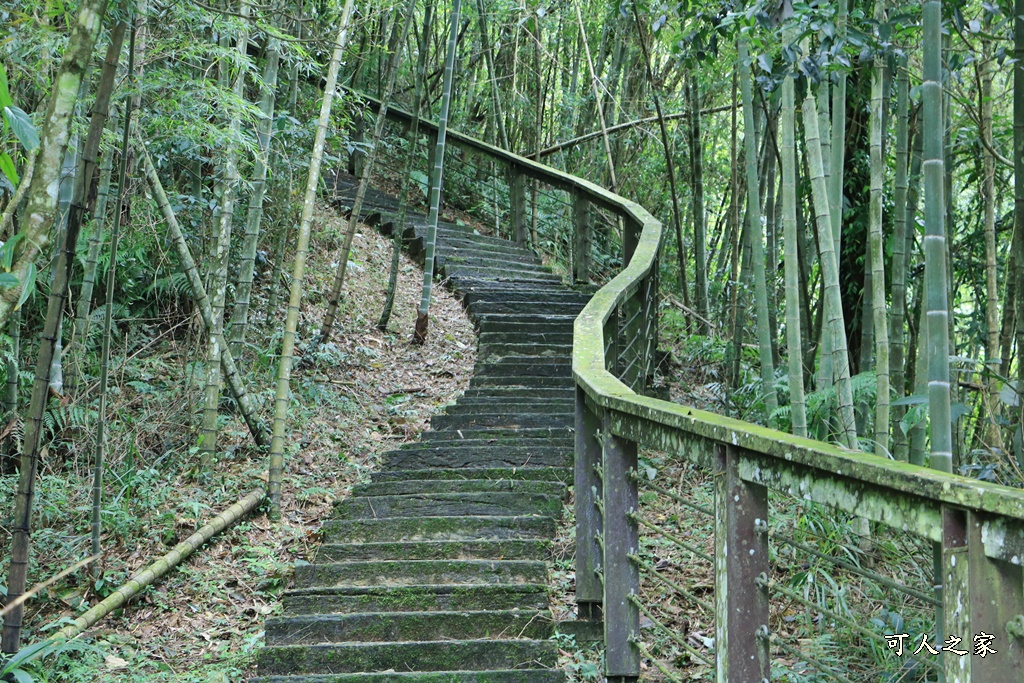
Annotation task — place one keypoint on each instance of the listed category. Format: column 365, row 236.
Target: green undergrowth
column 355, row 397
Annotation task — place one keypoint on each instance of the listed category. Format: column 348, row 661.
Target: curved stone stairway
column 436, row 570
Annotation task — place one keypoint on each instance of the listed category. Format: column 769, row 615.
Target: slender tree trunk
column 397, row 43
column 247, row 264
column 41, row 205
column 594, row 84
column 836, row 329
column 108, row 316
column 485, row 44
column 936, row 303
column 1017, row 274
column 877, row 247
column 291, row 323
column 699, row 217
column 798, row 412
column 221, row 245
column 202, row 301
column 755, row 236
column 899, row 256
column 437, row 175
column 412, row 153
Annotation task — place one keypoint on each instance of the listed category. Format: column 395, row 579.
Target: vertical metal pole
column 621, row 575
column 741, row 556
column 955, row 615
column 517, row 200
column 997, row 601
column 589, row 592
column 581, row 239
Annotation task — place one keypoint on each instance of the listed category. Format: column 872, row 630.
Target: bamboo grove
column 847, row 258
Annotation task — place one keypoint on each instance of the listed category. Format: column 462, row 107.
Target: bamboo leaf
column 7, row 166
column 30, row 283
column 8, row 280
column 5, row 94
column 22, row 126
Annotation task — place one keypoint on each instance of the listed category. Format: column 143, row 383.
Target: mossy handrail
column 979, row 522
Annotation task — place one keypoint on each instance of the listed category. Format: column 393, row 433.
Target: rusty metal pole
column 588, row 488
column 741, row 557
column 621, row 575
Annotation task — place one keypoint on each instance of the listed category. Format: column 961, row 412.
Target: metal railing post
column 997, row 608
column 588, row 489
column 955, row 615
column 581, row 239
column 741, row 558
column 517, row 200
column 621, row 575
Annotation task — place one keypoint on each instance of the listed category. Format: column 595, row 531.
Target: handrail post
column 997, row 608
column 955, row 615
column 621, row 574
column 630, row 238
column 741, row 557
column 517, row 201
column 581, row 238
column 588, row 488
column 355, row 157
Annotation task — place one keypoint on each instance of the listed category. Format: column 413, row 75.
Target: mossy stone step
column 472, row 406
column 409, row 626
column 464, row 420
column 504, row 294
column 453, row 244
column 438, row 529
column 515, row 325
column 547, row 367
column 522, row 381
column 476, row 503
column 425, row 486
column 509, row 549
column 497, row 260
column 485, row 307
column 499, row 434
column 450, row 655
column 532, row 337
column 448, row 458
column 448, row 597
column 555, row 474
column 536, row 392
column 509, row 271
column 494, row 352
column 416, row 572
column 491, row 437
column 516, row 676
column 501, row 279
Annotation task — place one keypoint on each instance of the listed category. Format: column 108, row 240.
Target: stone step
column 479, row 528
column 542, row 474
column 507, row 437
column 509, row 549
column 514, row 676
column 473, row 406
column 470, row 420
column 538, row 392
column 496, row 261
column 454, row 245
column 355, row 599
column 480, row 457
column 532, row 337
column 427, row 486
column 415, row 572
column 479, row 503
column 548, row 445
column 510, row 271
column 515, row 325
column 451, row 655
column 541, row 297
column 546, row 367
column 459, row 282
column 408, row 626
column 530, row 307
column 521, row 381
column 494, row 352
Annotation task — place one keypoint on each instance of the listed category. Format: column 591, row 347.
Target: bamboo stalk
column 291, row 323
column 188, row 264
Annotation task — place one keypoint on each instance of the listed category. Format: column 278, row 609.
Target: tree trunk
column 291, row 323
column 396, row 45
column 34, row 236
column 437, row 175
column 899, row 257
column 755, row 237
column 699, row 217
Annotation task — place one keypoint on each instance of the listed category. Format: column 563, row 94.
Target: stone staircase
column 436, row 571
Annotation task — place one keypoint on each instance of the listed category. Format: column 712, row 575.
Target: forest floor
column 361, row 395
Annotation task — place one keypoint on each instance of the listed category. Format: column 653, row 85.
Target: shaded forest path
column 436, row 570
